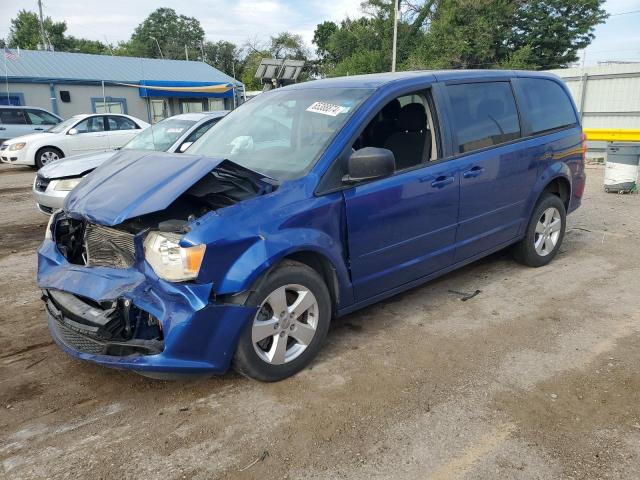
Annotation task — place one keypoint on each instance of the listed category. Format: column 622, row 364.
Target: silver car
column 55, row 180
column 18, row 121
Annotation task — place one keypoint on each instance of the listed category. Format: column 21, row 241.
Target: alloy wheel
column 285, row 324
column 48, row 156
column 547, row 231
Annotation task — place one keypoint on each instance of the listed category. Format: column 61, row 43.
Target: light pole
column 159, row 49
column 395, row 35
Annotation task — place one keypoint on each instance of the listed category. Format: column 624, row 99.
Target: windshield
column 62, row 126
column 161, row 136
column 281, row 133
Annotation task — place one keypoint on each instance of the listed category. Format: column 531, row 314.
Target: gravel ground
column 535, row 377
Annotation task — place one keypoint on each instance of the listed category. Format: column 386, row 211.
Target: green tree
column 24, row 32
column 173, row 33
column 555, row 30
column 225, row 56
column 321, row 38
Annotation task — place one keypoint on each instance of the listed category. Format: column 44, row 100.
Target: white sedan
column 79, row 134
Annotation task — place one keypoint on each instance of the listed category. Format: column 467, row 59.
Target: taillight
column 584, row 147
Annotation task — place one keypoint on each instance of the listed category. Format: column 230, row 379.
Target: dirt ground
column 536, row 377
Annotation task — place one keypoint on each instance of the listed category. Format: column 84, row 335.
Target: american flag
column 8, row 54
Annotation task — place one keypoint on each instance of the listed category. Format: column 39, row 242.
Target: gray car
column 55, row 180
column 18, row 121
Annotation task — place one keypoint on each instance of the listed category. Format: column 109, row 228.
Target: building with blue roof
column 151, row 89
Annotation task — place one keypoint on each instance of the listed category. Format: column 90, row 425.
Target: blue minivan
column 304, row 204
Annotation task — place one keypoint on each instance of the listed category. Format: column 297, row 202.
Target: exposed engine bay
column 85, row 243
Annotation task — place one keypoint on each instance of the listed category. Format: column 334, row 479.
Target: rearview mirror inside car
column 369, row 163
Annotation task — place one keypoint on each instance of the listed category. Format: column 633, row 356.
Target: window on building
column 91, row 125
column 546, row 105
column 484, row 114
column 121, row 123
column 39, row 117
column 216, row 104
column 158, row 110
column 191, row 106
column 110, row 106
column 13, row 99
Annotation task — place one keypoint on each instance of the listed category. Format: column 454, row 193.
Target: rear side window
column 38, row 117
column 121, row 123
column 484, row 114
column 12, row 116
column 545, row 105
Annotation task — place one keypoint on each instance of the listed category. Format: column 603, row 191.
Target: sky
column 241, row 20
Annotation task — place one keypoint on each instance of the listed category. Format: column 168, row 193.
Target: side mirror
column 72, row 131
column 369, row 163
column 184, row 146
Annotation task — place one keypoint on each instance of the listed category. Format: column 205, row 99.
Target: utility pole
column 186, row 53
column 42, row 35
column 159, row 49
column 395, row 35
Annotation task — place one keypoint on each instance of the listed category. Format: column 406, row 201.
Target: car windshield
column 160, row 136
column 62, row 126
column 281, row 133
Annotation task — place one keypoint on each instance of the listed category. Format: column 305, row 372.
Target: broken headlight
column 169, row 260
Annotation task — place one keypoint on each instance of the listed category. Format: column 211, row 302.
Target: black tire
column 246, row 360
column 45, row 150
column 524, row 251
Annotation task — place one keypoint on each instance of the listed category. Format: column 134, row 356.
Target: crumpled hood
column 74, row 166
column 135, row 183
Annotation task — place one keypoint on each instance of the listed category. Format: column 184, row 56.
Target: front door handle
column 39, row 128
column 442, row 182
column 474, row 172
column 2, row 128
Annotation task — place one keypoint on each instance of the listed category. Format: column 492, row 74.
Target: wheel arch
column 561, row 187
column 333, row 273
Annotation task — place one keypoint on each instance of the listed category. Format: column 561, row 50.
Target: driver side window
column 91, row 125
column 405, row 126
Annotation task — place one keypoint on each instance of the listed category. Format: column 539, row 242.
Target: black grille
column 108, row 247
column 42, row 183
column 76, row 340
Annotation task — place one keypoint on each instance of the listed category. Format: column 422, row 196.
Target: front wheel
column 47, row 155
column 294, row 312
column 544, row 234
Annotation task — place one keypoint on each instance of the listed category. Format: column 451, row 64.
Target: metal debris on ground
column 465, row 296
column 261, row 458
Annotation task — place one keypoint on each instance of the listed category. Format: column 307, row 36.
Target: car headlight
column 17, row 146
column 169, row 260
column 67, row 184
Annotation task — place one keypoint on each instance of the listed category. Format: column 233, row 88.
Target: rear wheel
column 294, row 312
column 47, row 155
column 544, row 234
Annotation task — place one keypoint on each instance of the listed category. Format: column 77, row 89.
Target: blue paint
column 148, row 92
column 15, row 98
column 379, row 237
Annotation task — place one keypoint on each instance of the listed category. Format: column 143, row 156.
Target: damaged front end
column 109, row 303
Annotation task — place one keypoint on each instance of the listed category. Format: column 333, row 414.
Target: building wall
column 39, row 95
column 607, row 96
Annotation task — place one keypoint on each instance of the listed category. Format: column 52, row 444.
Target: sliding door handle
column 474, row 172
column 442, row 182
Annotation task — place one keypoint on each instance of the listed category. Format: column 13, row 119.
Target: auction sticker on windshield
column 327, row 109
